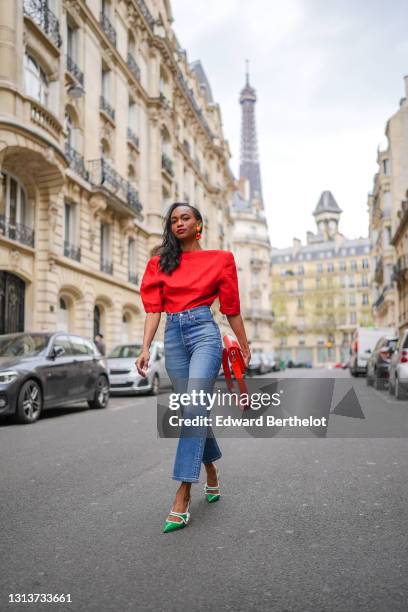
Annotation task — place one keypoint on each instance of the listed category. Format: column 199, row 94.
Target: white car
column 398, row 380
column 124, row 377
column 363, row 343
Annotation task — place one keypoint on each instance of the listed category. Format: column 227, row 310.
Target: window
column 72, row 42
column 330, row 267
column 342, row 266
column 65, row 343
column 132, row 260
column 70, row 223
column 365, row 299
column 364, row 280
column 106, row 265
column 351, row 281
column 386, row 167
column 35, row 81
column 353, row 318
column 300, row 285
column 13, row 204
column 79, row 347
column 353, row 265
column 301, row 270
column 133, row 116
column 106, row 77
column 352, row 299
column 365, row 264
column 319, row 268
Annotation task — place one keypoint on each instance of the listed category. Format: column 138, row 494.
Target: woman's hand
column 246, row 354
column 142, row 362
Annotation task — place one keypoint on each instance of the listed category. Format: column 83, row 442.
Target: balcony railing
column 73, row 69
column 133, row 66
column 108, row 28
column 133, row 200
column 101, row 174
column 146, row 13
column 106, row 108
column 76, row 161
column 167, row 164
column 190, row 95
column 131, row 136
column 259, row 313
column 133, row 277
column 106, row 266
column 16, row 231
column 72, row 251
column 44, row 18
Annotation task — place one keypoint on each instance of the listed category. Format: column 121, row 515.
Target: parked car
column 272, row 362
column 256, row 365
column 46, row 370
column 124, row 377
column 363, row 343
column 398, row 380
column 378, row 365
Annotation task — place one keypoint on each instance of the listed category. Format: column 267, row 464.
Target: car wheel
column 378, row 383
column 390, row 387
column 101, row 397
column 400, row 393
column 155, row 385
column 29, row 402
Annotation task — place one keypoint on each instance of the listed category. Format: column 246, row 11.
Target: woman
column 183, row 280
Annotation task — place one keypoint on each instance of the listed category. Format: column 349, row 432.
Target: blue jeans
column 193, row 355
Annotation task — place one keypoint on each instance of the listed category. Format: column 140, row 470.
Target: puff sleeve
column 228, row 291
column 151, row 290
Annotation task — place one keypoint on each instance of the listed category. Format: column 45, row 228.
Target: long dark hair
column 169, row 250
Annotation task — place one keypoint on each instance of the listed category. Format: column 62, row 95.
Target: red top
column 201, row 277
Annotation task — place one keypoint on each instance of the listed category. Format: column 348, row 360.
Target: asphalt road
column 304, row 524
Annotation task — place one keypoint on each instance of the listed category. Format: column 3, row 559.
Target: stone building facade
column 388, row 223
column 103, row 123
column 320, row 291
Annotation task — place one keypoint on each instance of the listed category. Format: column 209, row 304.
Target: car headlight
column 8, row 376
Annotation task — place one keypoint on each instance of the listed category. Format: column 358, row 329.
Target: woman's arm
column 152, row 321
column 237, row 326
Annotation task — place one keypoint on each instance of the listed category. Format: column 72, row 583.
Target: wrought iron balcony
column 72, row 251
column 108, row 28
column 133, row 277
column 133, row 66
column 16, row 231
column 190, row 95
column 73, row 69
column 146, row 13
column 133, row 200
column 131, row 136
column 167, row 164
column 106, row 108
column 259, row 313
column 44, row 18
column 101, row 174
column 379, row 271
column 106, row 266
column 76, row 161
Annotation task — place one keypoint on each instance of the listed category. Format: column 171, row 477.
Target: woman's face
column 183, row 223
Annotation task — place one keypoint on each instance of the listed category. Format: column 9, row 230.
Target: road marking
column 123, row 406
column 389, row 401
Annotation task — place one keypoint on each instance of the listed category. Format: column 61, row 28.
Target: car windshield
column 125, row 351
column 26, row 345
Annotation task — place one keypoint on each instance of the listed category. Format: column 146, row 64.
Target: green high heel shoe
column 173, row 525
column 213, row 497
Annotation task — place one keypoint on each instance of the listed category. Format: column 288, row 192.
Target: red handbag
column 232, row 353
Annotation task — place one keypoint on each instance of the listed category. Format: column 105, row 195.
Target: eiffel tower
column 249, row 167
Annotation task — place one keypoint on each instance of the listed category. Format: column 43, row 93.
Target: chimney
column 406, row 86
column 296, row 245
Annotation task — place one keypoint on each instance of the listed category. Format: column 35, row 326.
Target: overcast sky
column 328, row 75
